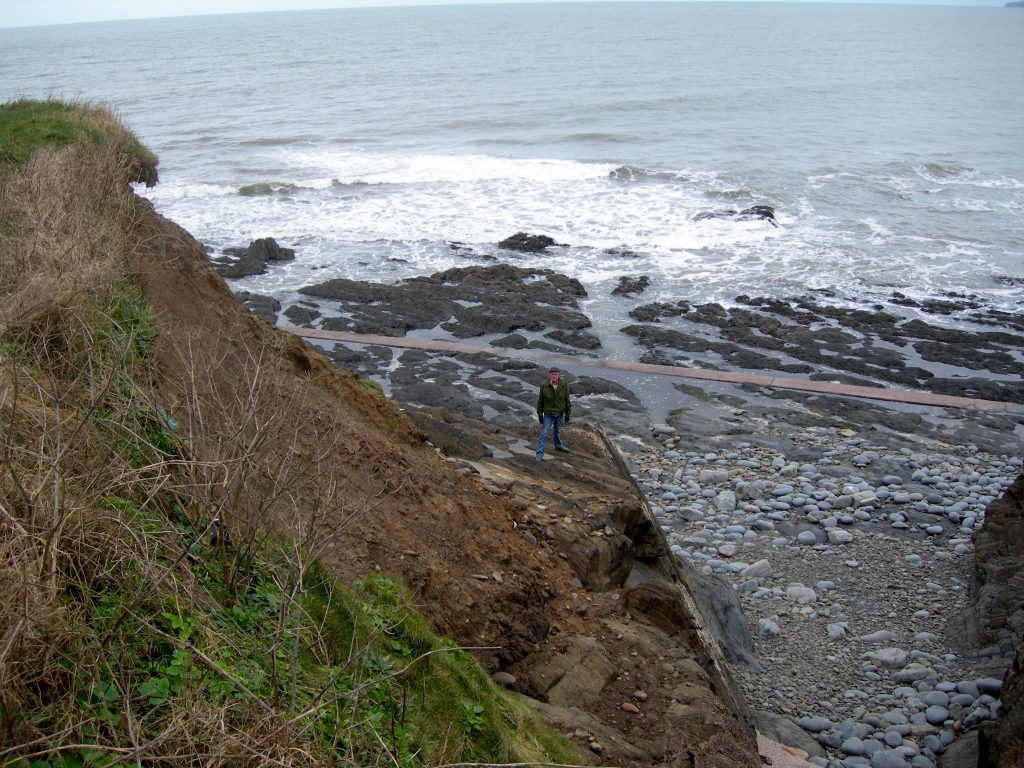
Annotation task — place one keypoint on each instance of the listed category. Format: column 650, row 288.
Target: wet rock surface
column 526, row 243
column 266, row 307
column 464, row 302
column 239, row 261
column 872, row 346
column 629, row 286
column 753, row 213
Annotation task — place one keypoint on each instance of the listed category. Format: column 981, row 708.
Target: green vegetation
column 28, row 126
column 150, row 614
column 373, row 386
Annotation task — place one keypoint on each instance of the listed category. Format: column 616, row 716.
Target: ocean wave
column 878, row 231
column 167, row 192
column 603, row 138
column 283, row 141
column 944, row 172
column 629, row 173
column 638, row 173
column 966, row 206
column 733, row 194
column 351, row 166
column 1003, row 182
column 261, row 188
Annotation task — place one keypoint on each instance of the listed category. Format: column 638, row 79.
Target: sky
column 20, row 13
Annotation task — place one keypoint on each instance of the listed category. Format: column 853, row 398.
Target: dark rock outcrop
column 753, row 213
column 300, row 315
column 994, row 620
column 874, row 345
column 265, row 307
column 722, row 614
column 993, row 624
column 1001, row 743
column 252, row 260
column 631, row 285
column 467, row 302
column 525, row 243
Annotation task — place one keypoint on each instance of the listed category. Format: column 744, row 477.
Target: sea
column 386, row 143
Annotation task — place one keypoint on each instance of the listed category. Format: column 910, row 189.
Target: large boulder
column 251, row 260
column 629, row 286
column 525, row 243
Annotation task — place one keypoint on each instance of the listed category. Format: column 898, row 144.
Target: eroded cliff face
column 998, row 594
column 995, row 622
column 557, row 570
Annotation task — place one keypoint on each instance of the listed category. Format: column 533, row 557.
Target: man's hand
column 567, row 418
column 540, row 420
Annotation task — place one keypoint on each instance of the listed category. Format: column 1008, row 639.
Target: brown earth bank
column 555, row 571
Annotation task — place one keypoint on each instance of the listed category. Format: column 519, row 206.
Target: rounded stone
column 892, row 738
column 815, row 724
column 852, row 746
column 935, row 698
column 504, row 678
column 801, row 595
column 888, row 758
column 990, row 685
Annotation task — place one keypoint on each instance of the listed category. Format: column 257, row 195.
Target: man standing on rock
column 553, row 406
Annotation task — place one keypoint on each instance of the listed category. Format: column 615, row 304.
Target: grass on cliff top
column 154, row 611
column 27, row 126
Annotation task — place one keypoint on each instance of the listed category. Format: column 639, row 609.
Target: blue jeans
column 550, row 421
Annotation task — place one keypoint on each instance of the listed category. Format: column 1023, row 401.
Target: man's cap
column 553, row 370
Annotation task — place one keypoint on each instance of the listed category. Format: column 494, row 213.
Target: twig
column 147, row 586
column 48, row 737
column 384, row 746
column 66, row 747
column 12, row 521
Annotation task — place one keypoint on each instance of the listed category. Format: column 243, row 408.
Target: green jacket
column 554, row 402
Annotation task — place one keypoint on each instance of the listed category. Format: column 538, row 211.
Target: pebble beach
column 848, row 559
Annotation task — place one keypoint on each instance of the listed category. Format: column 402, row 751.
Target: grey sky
column 19, row 13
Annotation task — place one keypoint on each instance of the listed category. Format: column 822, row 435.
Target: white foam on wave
column 472, row 199
column 351, row 166
column 370, row 215
column 164, row 193
column 818, row 180
column 955, row 175
column 878, row 230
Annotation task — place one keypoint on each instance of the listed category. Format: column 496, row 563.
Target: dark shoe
column 561, row 448
column 540, row 457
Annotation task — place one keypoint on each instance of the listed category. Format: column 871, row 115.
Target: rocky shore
column 843, row 530
column 848, row 559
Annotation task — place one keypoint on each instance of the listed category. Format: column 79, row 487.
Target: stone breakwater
column 847, row 559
